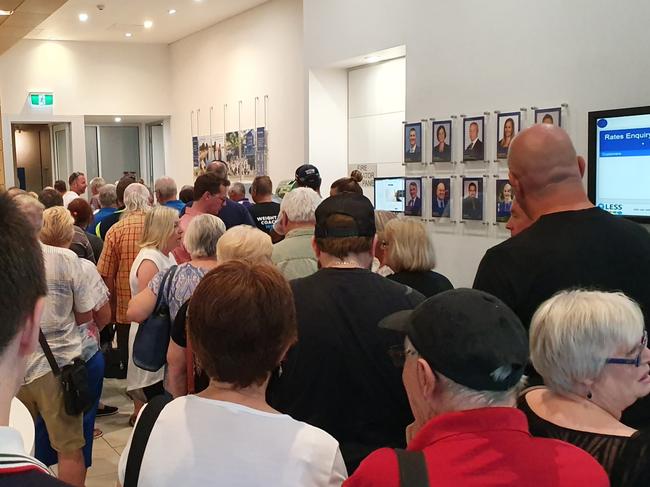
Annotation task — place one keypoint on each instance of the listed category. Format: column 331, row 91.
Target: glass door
column 62, row 151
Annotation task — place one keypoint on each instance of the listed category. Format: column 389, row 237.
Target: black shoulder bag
column 412, row 468
column 152, row 338
column 74, row 380
column 140, row 438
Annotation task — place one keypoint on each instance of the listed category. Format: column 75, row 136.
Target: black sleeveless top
column 625, row 459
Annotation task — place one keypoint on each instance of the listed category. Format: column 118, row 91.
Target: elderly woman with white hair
column 294, row 255
column 200, row 240
column 591, row 349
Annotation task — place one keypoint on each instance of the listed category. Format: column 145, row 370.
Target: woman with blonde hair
column 409, row 252
column 382, row 217
column 161, row 234
column 247, row 243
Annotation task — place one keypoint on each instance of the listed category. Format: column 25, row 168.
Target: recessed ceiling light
column 171, row 11
column 148, row 24
column 83, row 17
column 371, row 59
column 128, row 34
column 6, row 12
column 118, row 119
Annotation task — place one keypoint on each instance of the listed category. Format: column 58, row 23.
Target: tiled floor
column 108, row 448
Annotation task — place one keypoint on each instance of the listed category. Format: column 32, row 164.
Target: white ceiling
column 121, row 16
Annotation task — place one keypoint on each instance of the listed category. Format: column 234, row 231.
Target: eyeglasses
column 398, row 353
column 631, row 361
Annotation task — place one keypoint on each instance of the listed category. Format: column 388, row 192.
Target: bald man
column 570, row 244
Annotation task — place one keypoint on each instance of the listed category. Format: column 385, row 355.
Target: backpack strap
column 140, row 438
column 412, row 468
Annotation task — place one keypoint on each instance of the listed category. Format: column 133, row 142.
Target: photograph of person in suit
column 413, row 201
column 441, row 207
column 507, row 131
column 413, row 150
column 505, row 198
column 474, row 150
column 472, row 199
column 442, row 142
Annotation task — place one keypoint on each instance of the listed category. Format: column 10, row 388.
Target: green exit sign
column 41, row 99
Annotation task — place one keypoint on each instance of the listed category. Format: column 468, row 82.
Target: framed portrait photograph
column 473, row 144
column 413, row 194
column 413, row 142
column 552, row 116
column 507, row 127
column 505, row 197
column 441, row 143
column 472, row 198
column 441, row 199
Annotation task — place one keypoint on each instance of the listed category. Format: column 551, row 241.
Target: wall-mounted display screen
column 619, row 161
column 389, row 194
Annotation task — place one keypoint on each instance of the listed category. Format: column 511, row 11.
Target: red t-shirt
column 486, row 447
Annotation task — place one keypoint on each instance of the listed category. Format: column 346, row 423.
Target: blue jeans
column 43, row 450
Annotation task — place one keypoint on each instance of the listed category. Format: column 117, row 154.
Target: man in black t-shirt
column 339, row 376
column 571, row 244
column 265, row 211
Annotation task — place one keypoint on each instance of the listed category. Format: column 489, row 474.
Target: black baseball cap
column 469, row 336
column 308, row 175
column 354, row 205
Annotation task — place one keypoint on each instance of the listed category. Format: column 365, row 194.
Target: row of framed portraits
column 474, row 134
column 408, row 195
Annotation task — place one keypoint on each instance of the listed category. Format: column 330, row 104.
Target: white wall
column 86, row 79
column 475, row 56
column 251, row 55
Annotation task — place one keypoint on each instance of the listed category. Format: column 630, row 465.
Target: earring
column 280, row 370
column 589, row 395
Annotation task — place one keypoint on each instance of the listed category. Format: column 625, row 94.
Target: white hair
column 202, row 235
column 136, row 198
column 96, row 183
column 246, row 243
column 300, row 205
column 166, row 187
column 107, row 195
column 32, row 208
column 572, row 333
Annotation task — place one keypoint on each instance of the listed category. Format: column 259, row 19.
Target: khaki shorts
column 44, row 396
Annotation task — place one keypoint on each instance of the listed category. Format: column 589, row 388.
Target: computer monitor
column 389, row 194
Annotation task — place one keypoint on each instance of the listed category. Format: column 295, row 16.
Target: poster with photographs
column 195, row 157
column 551, row 116
column 473, row 133
column 505, row 197
column 508, row 126
column 240, row 165
column 413, row 142
column 204, row 152
column 413, row 206
column 217, row 147
column 441, row 207
column 441, row 133
column 260, row 151
column 472, row 198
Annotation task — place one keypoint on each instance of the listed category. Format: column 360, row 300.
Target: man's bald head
column 544, row 169
column 219, row 168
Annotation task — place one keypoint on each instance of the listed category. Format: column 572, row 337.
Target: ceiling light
column 371, row 59
column 128, row 34
column 83, row 17
column 6, row 12
column 148, row 24
column 171, row 11
column 118, row 119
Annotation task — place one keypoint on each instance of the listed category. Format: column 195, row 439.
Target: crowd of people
column 310, row 342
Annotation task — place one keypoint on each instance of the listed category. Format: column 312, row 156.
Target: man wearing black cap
column 339, row 376
column 308, row 176
column 464, row 357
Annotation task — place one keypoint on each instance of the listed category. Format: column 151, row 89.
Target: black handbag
column 152, row 338
column 74, row 380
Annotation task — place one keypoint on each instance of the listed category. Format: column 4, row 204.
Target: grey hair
column 96, row 183
column 32, row 208
column 107, row 195
column 238, row 188
column 573, row 333
column 136, row 198
column 202, row 235
column 166, row 187
column 300, row 205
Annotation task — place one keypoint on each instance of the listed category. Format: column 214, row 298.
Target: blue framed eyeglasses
column 631, row 361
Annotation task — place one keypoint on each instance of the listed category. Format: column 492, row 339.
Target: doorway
column 32, row 156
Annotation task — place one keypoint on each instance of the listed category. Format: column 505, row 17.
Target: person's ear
column 582, row 166
column 427, row 380
column 315, row 248
column 373, row 249
column 29, row 333
column 516, row 186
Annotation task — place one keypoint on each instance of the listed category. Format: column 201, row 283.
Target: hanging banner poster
column 249, row 143
column 195, row 156
column 204, row 150
column 260, row 153
column 217, row 147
